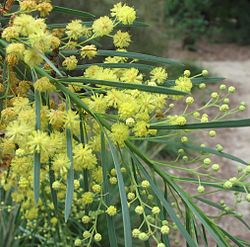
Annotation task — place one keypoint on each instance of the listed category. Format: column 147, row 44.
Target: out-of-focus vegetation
column 224, row 20
column 187, row 21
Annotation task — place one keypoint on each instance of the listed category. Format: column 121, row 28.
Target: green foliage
column 79, row 150
column 225, row 21
column 187, row 20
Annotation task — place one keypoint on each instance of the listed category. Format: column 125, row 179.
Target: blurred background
column 211, row 34
column 188, row 21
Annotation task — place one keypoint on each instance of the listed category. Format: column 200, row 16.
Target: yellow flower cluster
column 44, row 85
column 75, row 30
column 44, row 7
column 124, row 14
column 34, row 38
column 103, row 26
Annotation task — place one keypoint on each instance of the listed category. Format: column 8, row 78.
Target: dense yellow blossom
column 38, row 142
column 97, row 174
column 56, row 118
column 87, row 198
column 32, row 58
column 184, row 84
column 103, row 26
column 28, row 5
column 177, row 120
column 127, row 109
column 88, row 51
column 119, row 133
column 24, row 24
column 122, row 39
column 44, row 85
column 16, row 49
column 10, row 33
column 44, row 8
column 71, row 119
column 41, row 41
column 124, row 13
column 17, row 131
column 70, row 63
column 75, row 29
column 84, row 158
column 132, row 75
column 141, row 129
column 97, row 103
column 111, row 210
column 60, row 163
column 159, row 75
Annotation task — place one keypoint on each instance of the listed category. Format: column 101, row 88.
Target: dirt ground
column 233, row 63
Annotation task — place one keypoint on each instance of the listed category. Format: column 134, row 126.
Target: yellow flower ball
column 159, row 75
column 87, row 198
column 44, row 85
column 70, row 63
column 122, row 39
column 103, row 26
column 125, row 14
column 119, row 133
column 75, row 29
column 88, row 51
column 111, row 210
column 32, row 58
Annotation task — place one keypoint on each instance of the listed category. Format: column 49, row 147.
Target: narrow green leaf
column 3, row 43
column 131, row 55
column 140, row 87
column 139, row 56
column 206, row 80
column 73, row 12
column 37, row 167
column 196, row 81
column 217, row 185
column 188, row 218
column 204, row 235
column 50, row 63
column 139, row 66
column 53, row 192
column 57, row 25
column 214, row 151
column 136, row 24
column 37, row 162
column 235, row 240
column 107, row 198
column 83, row 137
column 123, row 197
column 70, row 175
column 51, row 173
column 235, row 123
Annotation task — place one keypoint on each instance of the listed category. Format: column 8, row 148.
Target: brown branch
column 6, row 7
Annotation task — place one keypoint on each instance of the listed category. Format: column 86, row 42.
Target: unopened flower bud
column 204, row 72
column 200, row 189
